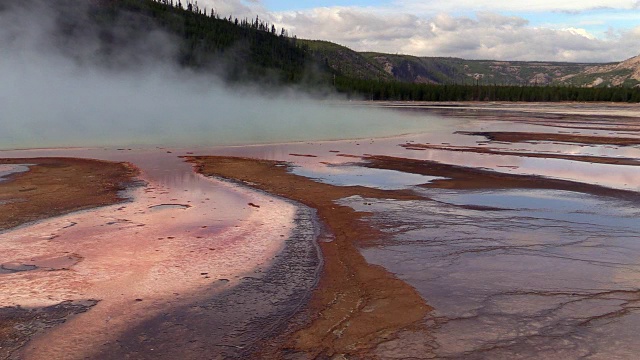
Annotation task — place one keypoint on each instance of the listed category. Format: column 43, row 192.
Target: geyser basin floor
column 56, row 186
column 45, row 188
column 551, row 275
column 543, row 263
column 356, row 306
column 211, row 275
column 357, row 309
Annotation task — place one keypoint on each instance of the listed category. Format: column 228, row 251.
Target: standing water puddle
column 356, row 175
column 6, row 170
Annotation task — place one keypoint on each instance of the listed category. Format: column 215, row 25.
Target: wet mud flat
column 170, row 273
column 524, row 267
column 18, row 325
column 232, row 323
column 37, row 188
column 534, row 274
column 513, row 137
column 522, row 249
column 356, row 306
column 469, row 178
column 54, row 186
column 519, row 265
column 466, row 248
column 495, row 151
column 566, row 113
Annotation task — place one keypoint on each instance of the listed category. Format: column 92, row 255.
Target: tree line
column 239, row 49
column 402, row 91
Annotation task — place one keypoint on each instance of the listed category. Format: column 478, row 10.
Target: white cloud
column 581, row 32
column 510, row 5
column 438, row 31
column 487, row 36
column 235, row 8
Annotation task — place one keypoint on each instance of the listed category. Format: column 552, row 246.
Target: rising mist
column 66, row 83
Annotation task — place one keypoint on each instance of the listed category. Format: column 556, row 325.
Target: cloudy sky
column 559, row 30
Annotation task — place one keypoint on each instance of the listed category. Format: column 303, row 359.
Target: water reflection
column 356, row 175
column 333, row 152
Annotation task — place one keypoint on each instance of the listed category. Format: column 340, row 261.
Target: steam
column 63, row 85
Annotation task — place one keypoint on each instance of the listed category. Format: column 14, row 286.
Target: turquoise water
column 233, row 120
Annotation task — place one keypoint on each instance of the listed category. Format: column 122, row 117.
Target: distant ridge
column 447, row 70
column 442, row 70
column 625, row 73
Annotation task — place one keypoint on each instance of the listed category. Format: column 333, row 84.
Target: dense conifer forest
column 395, row 90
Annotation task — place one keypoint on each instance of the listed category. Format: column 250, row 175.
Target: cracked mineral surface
column 553, row 276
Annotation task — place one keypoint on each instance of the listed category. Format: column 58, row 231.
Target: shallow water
column 321, row 155
column 6, row 170
column 557, row 205
column 544, row 279
column 201, row 119
column 343, row 175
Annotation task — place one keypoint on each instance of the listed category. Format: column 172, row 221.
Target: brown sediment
column 52, row 187
column 304, row 155
column 513, row 137
column 462, row 177
column 607, row 126
column 56, row 186
column 349, row 156
column 356, row 305
column 581, row 158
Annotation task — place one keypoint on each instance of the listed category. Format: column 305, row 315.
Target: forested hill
column 129, row 33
